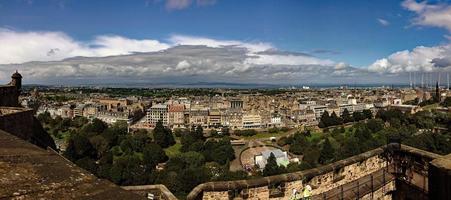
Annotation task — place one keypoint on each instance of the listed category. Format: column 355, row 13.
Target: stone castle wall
column 22, row 123
column 18, row 121
column 9, row 96
column 344, row 175
column 325, row 180
column 321, row 179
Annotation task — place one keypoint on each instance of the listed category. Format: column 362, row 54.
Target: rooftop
column 277, row 153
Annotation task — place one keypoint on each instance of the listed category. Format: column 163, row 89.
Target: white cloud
column 419, row 59
column 383, row 22
column 19, row 47
column 255, row 51
column 341, row 65
column 438, row 15
column 189, row 40
column 182, row 4
column 117, row 45
column 205, row 2
column 181, row 59
column 183, row 65
column 286, row 60
column 177, row 4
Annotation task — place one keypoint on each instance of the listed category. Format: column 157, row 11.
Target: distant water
column 224, row 85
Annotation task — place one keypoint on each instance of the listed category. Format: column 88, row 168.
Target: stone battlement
column 22, row 123
column 322, row 179
column 18, row 121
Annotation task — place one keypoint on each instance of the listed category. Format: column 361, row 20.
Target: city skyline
column 184, row 41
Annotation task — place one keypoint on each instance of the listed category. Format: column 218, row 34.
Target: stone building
column 20, row 121
column 156, row 113
column 9, row 93
column 176, row 115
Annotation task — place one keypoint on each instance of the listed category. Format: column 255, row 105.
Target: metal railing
column 358, row 188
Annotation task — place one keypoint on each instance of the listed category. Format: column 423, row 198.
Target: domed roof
column 16, row 75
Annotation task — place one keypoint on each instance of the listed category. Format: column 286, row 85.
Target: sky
column 237, row 41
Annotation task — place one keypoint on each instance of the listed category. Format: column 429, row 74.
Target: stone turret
column 16, row 80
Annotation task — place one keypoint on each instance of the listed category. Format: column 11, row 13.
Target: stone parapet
column 160, row 191
column 322, row 179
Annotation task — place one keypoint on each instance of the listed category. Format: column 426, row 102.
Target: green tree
column 97, row 126
column 219, row 151
column 446, row 102
column 128, row 170
column 45, row 118
column 358, row 116
column 187, row 141
column 100, row 144
column 335, row 120
column 375, row 125
column 225, row 131
column 193, row 159
column 199, row 133
column 214, row 133
column 115, row 134
column 140, row 140
column 163, row 136
column 192, row 177
column 79, row 147
column 87, row 164
column 271, row 167
column 325, row 120
column 178, row 132
column 346, row 116
column 311, row 156
column 152, row 155
column 127, row 146
column 327, row 152
column 298, row 144
column 78, row 122
column 368, row 114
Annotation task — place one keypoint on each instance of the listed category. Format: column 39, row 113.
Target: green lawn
column 173, row 150
column 315, row 136
column 263, row 135
column 430, row 107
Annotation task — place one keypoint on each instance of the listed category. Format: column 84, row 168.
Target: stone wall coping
column 17, row 109
column 300, row 175
column 422, row 153
column 163, row 189
column 288, row 177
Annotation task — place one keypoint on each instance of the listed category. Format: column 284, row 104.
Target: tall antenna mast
column 414, row 78
column 447, row 75
column 422, row 80
column 431, row 82
column 438, row 79
column 410, row 79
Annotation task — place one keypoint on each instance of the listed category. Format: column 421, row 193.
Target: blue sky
column 350, row 29
column 355, row 32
